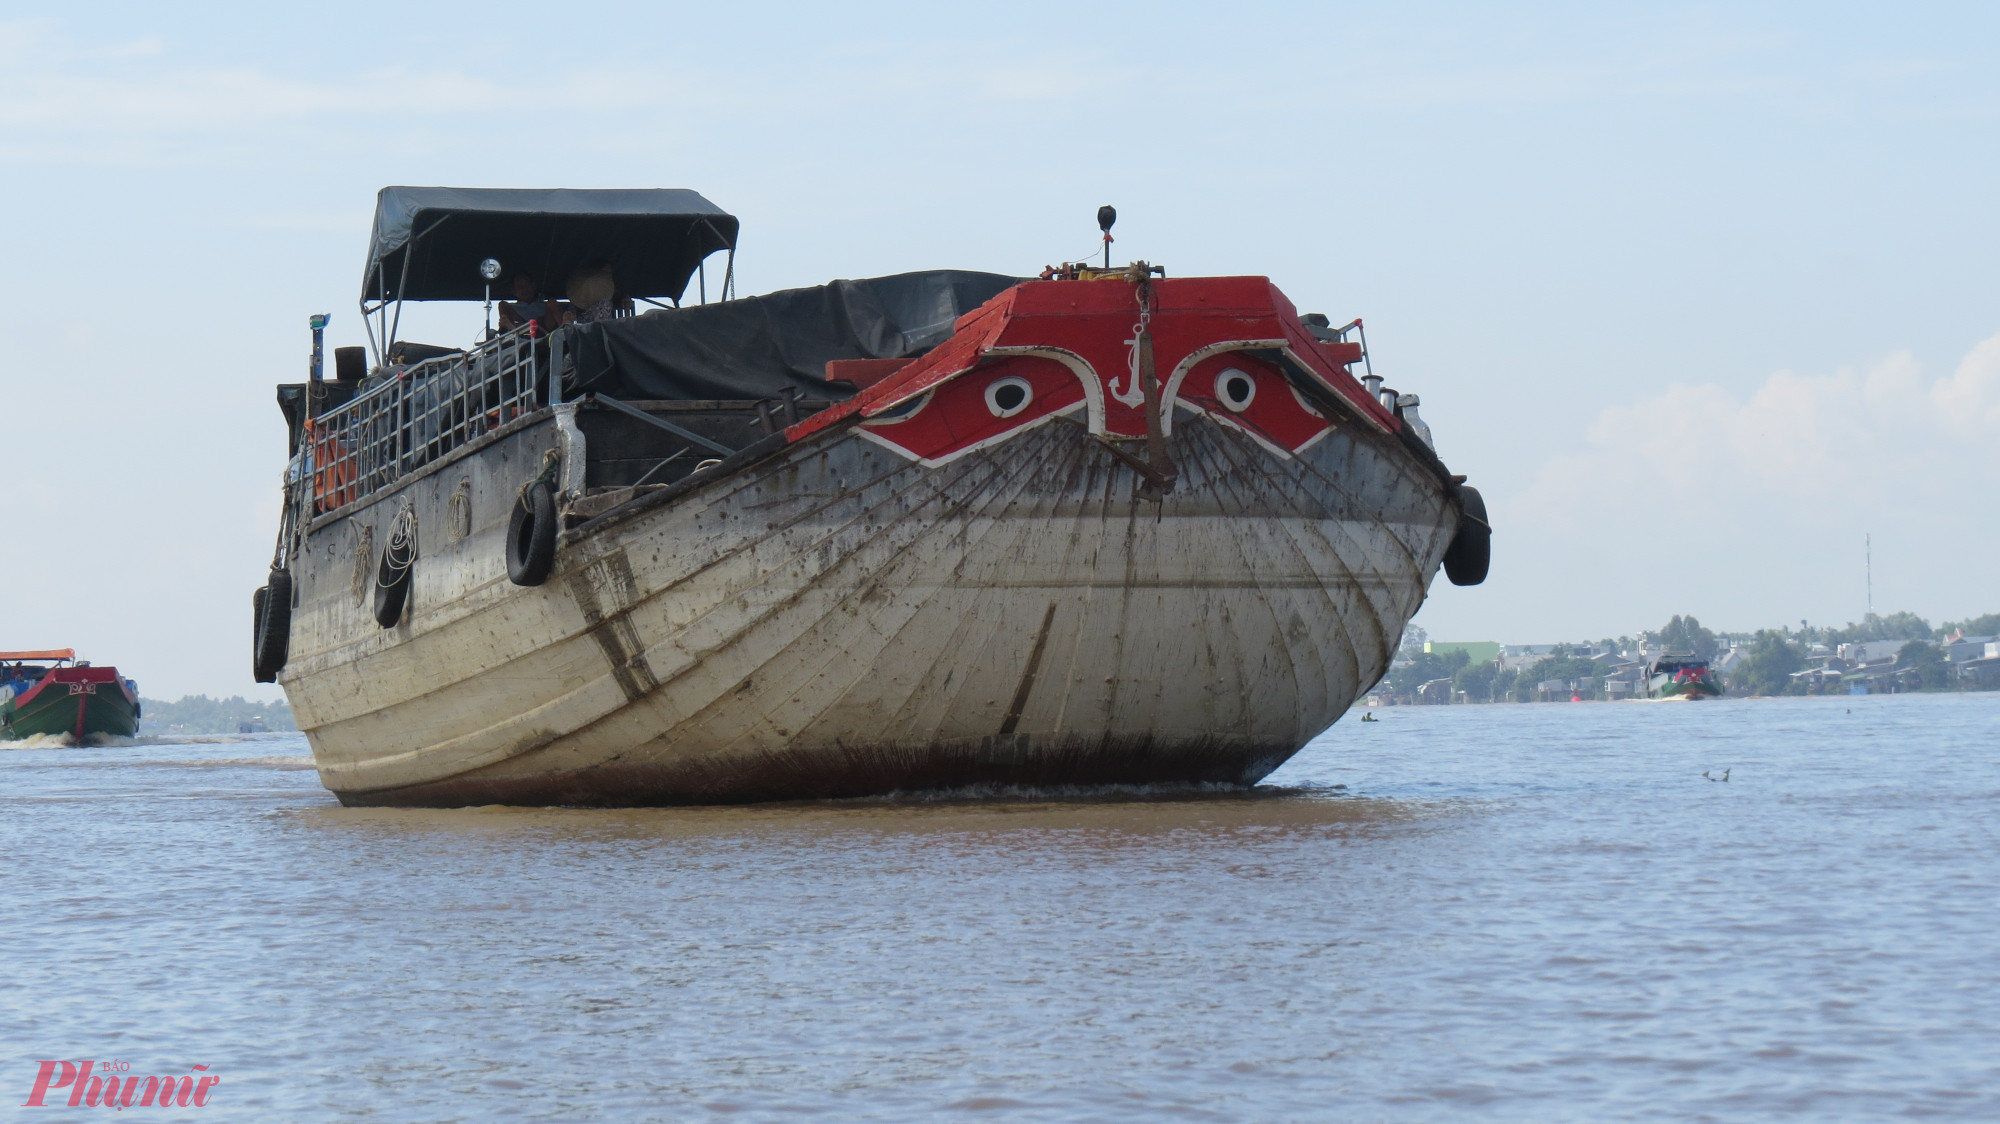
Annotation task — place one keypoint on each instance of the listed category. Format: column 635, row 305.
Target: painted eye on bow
column 904, row 409
column 1235, row 389
column 1009, row 396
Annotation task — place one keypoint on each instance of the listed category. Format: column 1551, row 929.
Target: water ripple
column 1508, row 913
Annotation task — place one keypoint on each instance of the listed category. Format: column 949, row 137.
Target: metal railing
column 416, row 415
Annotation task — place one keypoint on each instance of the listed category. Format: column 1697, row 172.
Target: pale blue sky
column 1695, row 293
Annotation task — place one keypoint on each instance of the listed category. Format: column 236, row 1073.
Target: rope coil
column 401, row 552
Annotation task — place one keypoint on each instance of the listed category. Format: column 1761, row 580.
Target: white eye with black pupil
column 1009, row 396
column 1235, row 389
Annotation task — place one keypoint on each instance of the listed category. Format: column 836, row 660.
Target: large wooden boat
column 934, row 530
column 49, row 694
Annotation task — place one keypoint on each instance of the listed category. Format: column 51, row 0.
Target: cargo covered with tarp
column 760, row 347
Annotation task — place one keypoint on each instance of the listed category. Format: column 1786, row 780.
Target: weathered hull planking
column 842, row 622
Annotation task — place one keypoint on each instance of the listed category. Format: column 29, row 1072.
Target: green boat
column 50, row 694
column 1681, row 676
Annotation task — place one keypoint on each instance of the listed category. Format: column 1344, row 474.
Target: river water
column 1537, row 912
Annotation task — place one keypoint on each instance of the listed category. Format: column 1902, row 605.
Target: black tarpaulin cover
column 760, row 346
column 653, row 238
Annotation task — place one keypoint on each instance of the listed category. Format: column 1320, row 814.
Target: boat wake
column 114, row 741
column 65, row 741
column 288, row 761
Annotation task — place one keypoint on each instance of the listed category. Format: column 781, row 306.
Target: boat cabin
column 592, row 294
column 21, row 670
column 1673, row 663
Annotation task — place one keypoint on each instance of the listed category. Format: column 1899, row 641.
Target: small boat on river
column 50, row 694
column 933, row 530
column 1681, row 675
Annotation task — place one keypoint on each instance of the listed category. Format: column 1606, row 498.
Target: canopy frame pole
column 409, row 251
column 729, row 271
column 368, row 324
column 369, row 327
column 394, row 326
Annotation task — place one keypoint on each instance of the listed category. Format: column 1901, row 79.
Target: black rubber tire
column 257, row 600
column 531, row 536
column 1471, row 550
column 392, row 587
column 271, row 627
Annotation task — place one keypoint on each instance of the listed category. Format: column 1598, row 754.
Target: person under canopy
column 528, row 304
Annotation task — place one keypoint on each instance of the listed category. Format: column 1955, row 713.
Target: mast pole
column 316, row 374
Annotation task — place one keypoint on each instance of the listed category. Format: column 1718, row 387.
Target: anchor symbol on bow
column 1133, row 395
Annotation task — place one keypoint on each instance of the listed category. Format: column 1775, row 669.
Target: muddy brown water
column 1520, row 913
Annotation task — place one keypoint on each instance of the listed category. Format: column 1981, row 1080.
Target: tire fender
column 1471, row 551
column 271, row 627
column 531, row 535
column 392, row 577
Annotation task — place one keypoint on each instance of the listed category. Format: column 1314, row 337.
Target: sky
column 1699, row 296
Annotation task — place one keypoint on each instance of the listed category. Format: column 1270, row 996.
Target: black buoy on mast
column 1106, row 215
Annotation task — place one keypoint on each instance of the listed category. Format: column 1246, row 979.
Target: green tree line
column 1767, row 668
column 199, row 714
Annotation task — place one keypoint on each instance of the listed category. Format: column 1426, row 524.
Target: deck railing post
column 400, row 426
column 418, row 415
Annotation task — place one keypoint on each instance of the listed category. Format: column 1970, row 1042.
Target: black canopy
column 654, row 239
column 758, row 347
